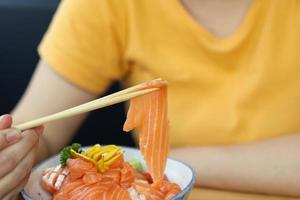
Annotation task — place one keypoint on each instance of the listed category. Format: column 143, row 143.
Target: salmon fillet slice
column 148, row 113
column 78, row 167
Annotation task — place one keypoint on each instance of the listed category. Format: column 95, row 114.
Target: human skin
column 17, row 156
column 270, row 166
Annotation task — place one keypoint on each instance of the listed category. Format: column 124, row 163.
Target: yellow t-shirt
column 239, row 89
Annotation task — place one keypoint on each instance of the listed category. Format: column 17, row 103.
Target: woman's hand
column 17, row 156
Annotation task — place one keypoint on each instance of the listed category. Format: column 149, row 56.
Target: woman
column 233, row 70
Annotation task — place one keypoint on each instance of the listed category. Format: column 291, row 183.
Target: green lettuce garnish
column 65, row 154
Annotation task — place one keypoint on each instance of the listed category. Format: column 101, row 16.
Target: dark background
column 22, row 25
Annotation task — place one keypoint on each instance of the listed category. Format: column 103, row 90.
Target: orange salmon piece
column 78, row 167
column 53, row 178
column 87, row 191
column 60, row 198
column 92, row 177
column 148, row 113
column 112, row 175
column 117, row 164
column 115, row 193
column 95, row 194
column 78, row 190
column 148, row 191
column 169, row 189
column 128, row 175
column 66, row 189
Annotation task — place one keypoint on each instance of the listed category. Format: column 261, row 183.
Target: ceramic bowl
column 176, row 171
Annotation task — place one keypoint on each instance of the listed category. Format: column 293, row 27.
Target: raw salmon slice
column 78, row 190
column 53, row 178
column 148, row 191
column 66, row 189
column 128, row 175
column 148, row 113
column 116, row 192
column 78, row 167
column 92, row 177
column 169, row 189
column 112, row 175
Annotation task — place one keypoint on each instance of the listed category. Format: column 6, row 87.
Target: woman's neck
column 219, row 17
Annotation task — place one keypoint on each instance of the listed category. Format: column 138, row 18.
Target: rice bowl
column 176, row 171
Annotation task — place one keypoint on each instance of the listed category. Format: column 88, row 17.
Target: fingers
column 39, row 130
column 17, row 175
column 5, row 122
column 9, row 136
column 17, row 154
column 13, row 154
column 15, row 192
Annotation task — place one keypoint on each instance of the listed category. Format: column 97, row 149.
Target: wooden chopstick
column 108, row 100
column 125, row 91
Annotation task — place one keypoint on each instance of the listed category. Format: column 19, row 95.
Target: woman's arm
column 48, row 93
column 270, row 166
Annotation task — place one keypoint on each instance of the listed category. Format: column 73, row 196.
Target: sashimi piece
column 92, row 177
column 53, row 178
column 78, row 167
column 104, row 185
column 172, row 193
column 94, row 195
column 67, row 180
column 78, row 190
column 89, row 191
column 148, row 113
column 128, row 175
column 141, row 177
column 60, row 197
column 148, row 191
column 169, row 189
column 115, row 193
column 118, row 163
column 66, row 189
column 46, row 183
column 112, row 175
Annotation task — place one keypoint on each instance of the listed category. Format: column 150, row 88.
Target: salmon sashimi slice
column 53, row 178
column 148, row 191
column 128, row 175
column 78, row 190
column 66, row 189
column 148, row 113
column 94, row 195
column 92, row 177
column 78, row 167
column 112, row 175
column 115, row 193
column 161, row 190
column 96, row 192
column 118, row 163
column 170, row 190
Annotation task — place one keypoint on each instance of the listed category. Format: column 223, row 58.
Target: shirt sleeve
column 85, row 43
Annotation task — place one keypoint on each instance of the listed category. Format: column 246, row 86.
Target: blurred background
column 22, row 25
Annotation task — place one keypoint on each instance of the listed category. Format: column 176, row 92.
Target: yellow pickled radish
column 79, row 155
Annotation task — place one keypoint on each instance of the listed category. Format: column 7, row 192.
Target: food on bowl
column 100, row 172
